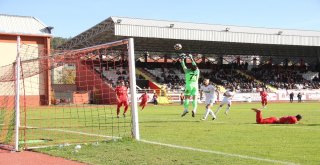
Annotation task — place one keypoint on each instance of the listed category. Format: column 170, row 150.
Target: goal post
column 17, row 96
column 134, row 104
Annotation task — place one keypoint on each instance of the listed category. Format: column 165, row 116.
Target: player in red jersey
column 264, row 96
column 274, row 120
column 122, row 98
column 144, row 100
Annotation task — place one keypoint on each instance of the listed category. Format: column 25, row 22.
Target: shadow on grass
column 318, row 124
column 299, row 125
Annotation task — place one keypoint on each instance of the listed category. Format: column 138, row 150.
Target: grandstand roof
column 210, row 27
column 160, row 36
column 22, row 25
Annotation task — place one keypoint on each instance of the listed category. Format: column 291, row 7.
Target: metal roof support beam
column 83, row 39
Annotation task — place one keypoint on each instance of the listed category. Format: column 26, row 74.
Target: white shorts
column 225, row 101
column 210, row 101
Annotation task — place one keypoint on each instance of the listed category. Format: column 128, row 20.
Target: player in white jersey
column 210, row 94
column 227, row 99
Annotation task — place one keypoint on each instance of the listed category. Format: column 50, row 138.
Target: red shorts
column 143, row 102
column 264, row 100
column 123, row 102
column 270, row 120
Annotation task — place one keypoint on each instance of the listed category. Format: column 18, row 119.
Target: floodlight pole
column 134, row 104
column 17, row 96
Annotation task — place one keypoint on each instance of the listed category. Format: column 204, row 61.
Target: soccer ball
column 177, row 46
column 77, row 147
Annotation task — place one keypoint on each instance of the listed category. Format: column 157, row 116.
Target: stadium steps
column 90, row 80
column 256, row 80
column 161, row 91
column 146, row 74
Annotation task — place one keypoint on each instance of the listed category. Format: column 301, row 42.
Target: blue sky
column 71, row 17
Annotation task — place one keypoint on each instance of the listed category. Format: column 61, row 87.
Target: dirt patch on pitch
column 32, row 158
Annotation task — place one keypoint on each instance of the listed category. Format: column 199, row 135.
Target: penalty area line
column 219, row 153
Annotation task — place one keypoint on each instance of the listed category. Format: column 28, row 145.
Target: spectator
column 181, row 98
column 291, row 97
column 155, row 98
column 299, row 97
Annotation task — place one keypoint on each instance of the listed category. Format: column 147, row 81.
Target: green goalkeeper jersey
column 191, row 77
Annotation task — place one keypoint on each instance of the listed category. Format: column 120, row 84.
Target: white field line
column 83, row 133
column 220, row 153
column 38, row 147
column 68, row 131
column 76, row 132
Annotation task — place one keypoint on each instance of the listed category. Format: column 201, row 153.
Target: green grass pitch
column 232, row 139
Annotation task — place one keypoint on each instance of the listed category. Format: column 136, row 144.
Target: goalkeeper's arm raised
column 193, row 62
column 184, row 67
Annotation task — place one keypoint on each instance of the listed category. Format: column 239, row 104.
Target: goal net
column 68, row 96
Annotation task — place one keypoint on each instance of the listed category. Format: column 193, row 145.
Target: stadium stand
column 238, row 76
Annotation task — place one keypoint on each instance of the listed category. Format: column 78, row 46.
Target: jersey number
column 193, row 76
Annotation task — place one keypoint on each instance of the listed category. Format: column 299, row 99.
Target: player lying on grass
column 210, row 94
column 191, row 87
column 274, row 120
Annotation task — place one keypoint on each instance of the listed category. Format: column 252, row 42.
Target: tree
column 69, row 76
column 57, row 41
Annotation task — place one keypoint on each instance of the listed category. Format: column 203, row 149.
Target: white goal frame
column 132, row 75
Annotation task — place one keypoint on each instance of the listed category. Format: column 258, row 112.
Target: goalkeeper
column 191, row 86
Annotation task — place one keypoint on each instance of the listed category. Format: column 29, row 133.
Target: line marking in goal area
column 76, row 132
column 219, row 153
